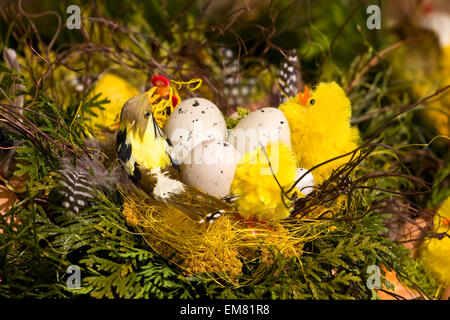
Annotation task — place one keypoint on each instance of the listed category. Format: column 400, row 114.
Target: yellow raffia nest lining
column 221, row 248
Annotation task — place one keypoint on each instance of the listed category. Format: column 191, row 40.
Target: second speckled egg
column 259, row 128
column 210, row 167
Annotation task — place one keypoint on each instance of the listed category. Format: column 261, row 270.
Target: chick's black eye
column 314, row 89
column 147, row 114
column 312, row 101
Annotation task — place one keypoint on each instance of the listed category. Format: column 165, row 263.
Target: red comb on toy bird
column 163, row 84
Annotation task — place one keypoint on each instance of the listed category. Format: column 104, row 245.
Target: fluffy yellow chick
column 320, row 128
column 258, row 194
column 424, row 62
column 435, row 253
column 437, row 113
column 118, row 91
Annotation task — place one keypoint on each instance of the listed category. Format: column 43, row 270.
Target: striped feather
column 79, row 184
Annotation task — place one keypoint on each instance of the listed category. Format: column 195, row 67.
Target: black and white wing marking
column 122, row 147
column 124, row 154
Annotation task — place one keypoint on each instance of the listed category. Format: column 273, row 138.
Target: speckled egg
column 259, row 128
column 195, row 120
column 306, row 185
column 210, row 167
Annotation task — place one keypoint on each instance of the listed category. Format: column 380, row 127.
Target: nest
column 222, row 249
column 232, row 246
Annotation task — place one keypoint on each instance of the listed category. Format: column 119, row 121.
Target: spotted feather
column 289, row 77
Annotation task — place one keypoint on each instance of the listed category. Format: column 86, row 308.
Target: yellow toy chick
column 435, row 253
column 118, row 91
column 258, row 194
column 320, row 128
column 423, row 61
column 437, row 113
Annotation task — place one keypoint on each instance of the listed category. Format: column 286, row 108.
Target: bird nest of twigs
column 217, row 250
column 232, row 245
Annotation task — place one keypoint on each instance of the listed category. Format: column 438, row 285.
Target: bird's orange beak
column 162, row 91
column 162, row 84
column 304, row 97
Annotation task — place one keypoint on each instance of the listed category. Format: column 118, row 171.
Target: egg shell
column 259, row 128
column 439, row 22
column 210, row 167
column 306, row 185
column 195, row 120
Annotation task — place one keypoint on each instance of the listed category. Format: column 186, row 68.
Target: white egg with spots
column 195, row 120
column 210, row 167
column 259, row 128
column 306, row 184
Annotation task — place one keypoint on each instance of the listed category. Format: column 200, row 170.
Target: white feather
column 166, row 186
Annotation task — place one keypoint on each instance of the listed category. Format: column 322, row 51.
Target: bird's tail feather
column 200, row 206
column 195, row 203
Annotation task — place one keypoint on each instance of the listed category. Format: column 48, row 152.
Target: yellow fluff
column 435, row 253
column 320, row 129
column 259, row 195
column 437, row 113
column 118, row 91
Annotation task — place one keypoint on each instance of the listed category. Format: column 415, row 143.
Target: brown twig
column 374, row 61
